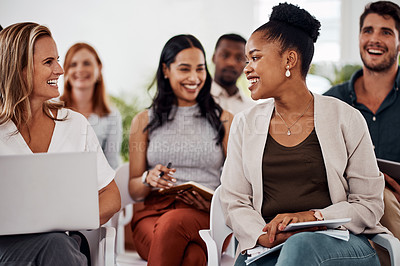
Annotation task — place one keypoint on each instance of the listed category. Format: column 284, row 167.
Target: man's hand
column 394, row 186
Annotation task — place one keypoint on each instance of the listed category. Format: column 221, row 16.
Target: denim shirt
column 384, row 126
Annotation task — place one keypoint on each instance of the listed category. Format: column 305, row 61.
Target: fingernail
column 169, row 184
column 173, row 180
column 194, row 192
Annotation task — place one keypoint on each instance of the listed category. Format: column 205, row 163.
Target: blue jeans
column 40, row 249
column 310, row 248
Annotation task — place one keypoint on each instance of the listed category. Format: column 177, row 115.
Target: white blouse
column 74, row 134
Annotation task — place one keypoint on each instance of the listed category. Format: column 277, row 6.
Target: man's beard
column 227, row 81
column 384, row 66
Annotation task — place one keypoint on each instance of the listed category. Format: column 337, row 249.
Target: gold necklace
column 289, row 127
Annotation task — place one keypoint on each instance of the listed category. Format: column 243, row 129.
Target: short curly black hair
column 231, row 37
column 294, row 28
column 382, row 8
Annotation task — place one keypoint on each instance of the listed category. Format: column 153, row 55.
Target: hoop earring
column 287, row 73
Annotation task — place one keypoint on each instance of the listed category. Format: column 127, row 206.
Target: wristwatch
column 318, row 216
column 144, row 176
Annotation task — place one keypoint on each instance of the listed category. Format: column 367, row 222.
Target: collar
column 218, row 90
column 358, row 74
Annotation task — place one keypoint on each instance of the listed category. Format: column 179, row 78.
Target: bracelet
column 144, row 176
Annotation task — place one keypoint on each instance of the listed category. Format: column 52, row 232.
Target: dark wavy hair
column 384, row 9
column 165, row 99
column 293, row 28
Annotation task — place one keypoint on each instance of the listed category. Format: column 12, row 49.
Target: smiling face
column 266, row 67
column 379, row 43
column 46, row 69
column 229, row 62
column 187, row 75
column 83, row 71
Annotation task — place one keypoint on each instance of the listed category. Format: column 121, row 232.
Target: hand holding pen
column 161, row 176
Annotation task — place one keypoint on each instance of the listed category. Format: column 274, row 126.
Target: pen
column 162, row 172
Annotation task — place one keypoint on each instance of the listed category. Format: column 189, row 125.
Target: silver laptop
column 48, row 192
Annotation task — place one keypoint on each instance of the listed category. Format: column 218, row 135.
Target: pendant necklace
column 289, row 127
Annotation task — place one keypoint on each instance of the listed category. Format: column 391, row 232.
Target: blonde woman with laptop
column 30, row 122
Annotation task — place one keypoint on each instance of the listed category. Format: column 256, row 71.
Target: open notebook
column 48, row 192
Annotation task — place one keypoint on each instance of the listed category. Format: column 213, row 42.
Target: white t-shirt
column 71, row 135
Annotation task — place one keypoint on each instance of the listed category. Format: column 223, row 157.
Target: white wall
column 351, row 12
column 129, row 34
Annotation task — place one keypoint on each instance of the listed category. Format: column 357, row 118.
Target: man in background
column 229, row 59
column 374, row 91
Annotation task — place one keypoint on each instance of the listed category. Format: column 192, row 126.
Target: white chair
column 219, row 231
column 391, row 244
column 101, row 244
column 216, row 235
column 122, row 218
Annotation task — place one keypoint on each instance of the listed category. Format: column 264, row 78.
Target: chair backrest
column 124, row 216
column 122, row 180
column 218, row 229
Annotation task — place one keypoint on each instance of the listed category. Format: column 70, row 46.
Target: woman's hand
column 281, row 237
column 275, row 227
column 194, row 199
column 161, row 177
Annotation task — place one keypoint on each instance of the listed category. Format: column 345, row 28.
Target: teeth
column 373, row 51
column 52, row 82
column 190, row 87
column 254, row 80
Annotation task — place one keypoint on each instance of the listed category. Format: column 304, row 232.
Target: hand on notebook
column 394, row 186
column 275, row 227
column 281, row 237
column 194, row 199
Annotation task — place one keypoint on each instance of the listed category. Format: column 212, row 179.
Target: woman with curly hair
column 298, row 156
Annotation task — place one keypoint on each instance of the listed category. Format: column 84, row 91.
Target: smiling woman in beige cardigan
column 298, row 157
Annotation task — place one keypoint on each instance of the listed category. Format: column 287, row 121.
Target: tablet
column 330, row 224
column 390, row 168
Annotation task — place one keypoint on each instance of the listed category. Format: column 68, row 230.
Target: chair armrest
column 212, row 252
column 107, row 240
column 391, row 244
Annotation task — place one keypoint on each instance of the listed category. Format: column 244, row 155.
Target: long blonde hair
column 16, row 72
column 99, row 99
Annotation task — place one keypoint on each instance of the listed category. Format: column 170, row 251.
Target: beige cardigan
column 355, row 183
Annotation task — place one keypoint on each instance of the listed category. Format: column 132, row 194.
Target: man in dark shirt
column 374, row 91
